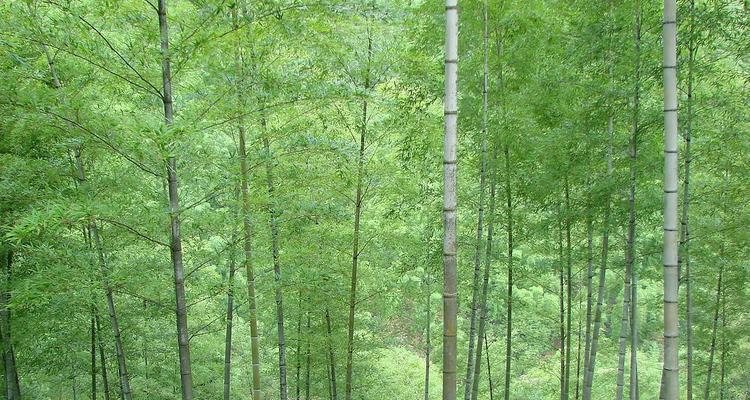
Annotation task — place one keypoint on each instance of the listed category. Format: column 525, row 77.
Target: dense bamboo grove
column 226, row 199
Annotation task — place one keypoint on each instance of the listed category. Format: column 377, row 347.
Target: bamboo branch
column 138, row 164
column 134, row 231
column 120, row 56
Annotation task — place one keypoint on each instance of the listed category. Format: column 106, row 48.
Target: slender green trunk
column 589, row 294
column 630, row 256
column 2, row 353
column 183, row 336
column 144, row 342
column 450, row 286
column 119, row 372
column 12, row 385
column 283, row 391
column 357, row 217
column 330, row 382
column 93, row 356
column 563, row 394
column 230, row 319
column 475, row 300
column 609, row 311
column 93, row 230
column 328, row 373
column 671, row 184
column 477, row 361
column 102, row 358
column 624, row 331
column 684, row 259
column 114, row 322
column 486, row 277
column 298, row 354
column 578, row 355
column 247, row 249
column 569, row 286
column 627, row 327
column 509, row 233
column 489, row 371
column 588, row 377
column 428, row 332
column 355, row 261
column 308, row 362
column 509, row 300
column 331, row 355
column 246, row 225
column 714, row 327
column 634, row 390
column 722, row 371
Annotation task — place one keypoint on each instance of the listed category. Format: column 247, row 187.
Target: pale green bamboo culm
column 450, row 282
column 671, row 184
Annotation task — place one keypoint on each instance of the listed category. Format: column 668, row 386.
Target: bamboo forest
column 375, row 199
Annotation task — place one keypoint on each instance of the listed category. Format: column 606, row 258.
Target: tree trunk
column 624, row 330
column 489, row 371
column 328, row 373
column 609, row 311
column 509, row 300
column 450, row 305
column 470, row 360
column 569, row 287
column 714, row 326
column 246, row 226
column 630, row 250
column 93, row 230
column 307, row 361
column 102, row 358
column 722, row 371
column 473, row 379
column 589, row 295
column 119, row 372
column 247, row 249
column 230, row 319
column 355, row 260
column 122, row 366
column 145, row 344
column 563, row 395
column 671, row 183
column 428, row 344
column 634, row 391
column 276, row 265
column 6, row 390
column 684, row 257
column 12, row 385
column 588, row 376
column 183, row 336
column 486, row 277
column 578, row 355
column 93, row 356
column 299, row 348
column 357, row 216
column 331, row 358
